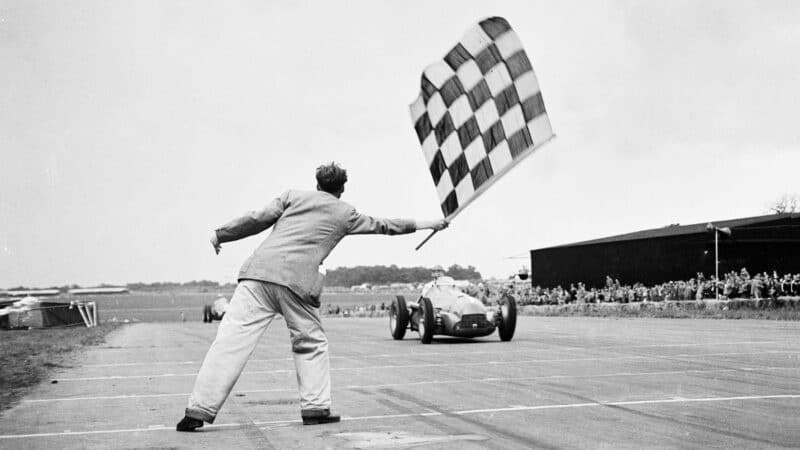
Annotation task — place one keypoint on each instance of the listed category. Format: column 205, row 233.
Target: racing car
column 215, row 311
column 445, row 310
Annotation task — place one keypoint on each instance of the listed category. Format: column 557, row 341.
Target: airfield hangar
column 675, row 252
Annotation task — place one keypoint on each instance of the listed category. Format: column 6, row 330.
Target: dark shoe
column 318, row 416
column 189, row 424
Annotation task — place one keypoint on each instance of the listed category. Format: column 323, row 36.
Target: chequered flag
column 479, row 113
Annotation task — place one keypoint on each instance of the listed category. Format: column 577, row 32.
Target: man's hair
column 331, row 177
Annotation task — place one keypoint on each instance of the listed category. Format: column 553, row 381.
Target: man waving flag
column 479, row 113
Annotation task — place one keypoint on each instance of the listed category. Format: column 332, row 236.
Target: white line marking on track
column 429, row 365
column 420, row 353
column 693, row 344
column 429, row 382
column 150, row 363
column 433, row 413
column 633, row 403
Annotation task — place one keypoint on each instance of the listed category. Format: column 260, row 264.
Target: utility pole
column 726, row 231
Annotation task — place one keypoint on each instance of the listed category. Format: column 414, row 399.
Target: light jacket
column 306, row 226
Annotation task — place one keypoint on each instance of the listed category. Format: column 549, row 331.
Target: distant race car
column 215, row 311
column 443, row 309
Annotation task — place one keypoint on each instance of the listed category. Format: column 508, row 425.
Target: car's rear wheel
column 426, row 321
column 508, row 318
column 398, row 318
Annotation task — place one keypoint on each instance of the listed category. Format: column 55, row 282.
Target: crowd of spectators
column 366, row 310
column 734, row 285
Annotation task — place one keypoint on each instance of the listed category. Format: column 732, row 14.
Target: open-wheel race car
column 445, row 310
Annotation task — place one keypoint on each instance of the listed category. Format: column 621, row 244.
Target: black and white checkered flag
column 480, row 112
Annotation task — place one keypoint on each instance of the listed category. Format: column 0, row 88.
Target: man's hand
column 437, row 225
column 215, row 242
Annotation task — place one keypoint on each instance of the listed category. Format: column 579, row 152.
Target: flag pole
column 426, row 239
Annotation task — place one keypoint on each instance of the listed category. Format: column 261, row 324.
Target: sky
column 130, row 130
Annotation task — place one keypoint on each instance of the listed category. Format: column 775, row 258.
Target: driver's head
column 331, row 179
column 437, row 271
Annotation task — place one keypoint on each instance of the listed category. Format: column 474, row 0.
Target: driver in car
column 440, row 281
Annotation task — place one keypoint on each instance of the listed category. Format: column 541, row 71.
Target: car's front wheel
column 508, row 318
column 426, row 321
column 398, row 318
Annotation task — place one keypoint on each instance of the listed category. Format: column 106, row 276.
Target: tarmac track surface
column 561, row 383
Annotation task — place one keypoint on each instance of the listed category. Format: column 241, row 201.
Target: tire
column 508, row 318
column 398, row 318
column 426, row 321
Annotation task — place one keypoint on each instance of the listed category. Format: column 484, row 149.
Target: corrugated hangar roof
column 677, row 230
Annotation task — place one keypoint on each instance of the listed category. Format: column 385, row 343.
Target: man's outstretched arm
column 249, row 224
column 364, row 224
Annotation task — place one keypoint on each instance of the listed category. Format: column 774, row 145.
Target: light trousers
column 253, row 306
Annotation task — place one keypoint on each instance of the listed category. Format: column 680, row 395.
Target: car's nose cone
column 474, row 321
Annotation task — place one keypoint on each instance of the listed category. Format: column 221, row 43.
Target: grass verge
column 29, row 356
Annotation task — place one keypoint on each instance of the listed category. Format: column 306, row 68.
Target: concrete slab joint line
column 426, row 414
column 415, row 366
column 396, row 355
